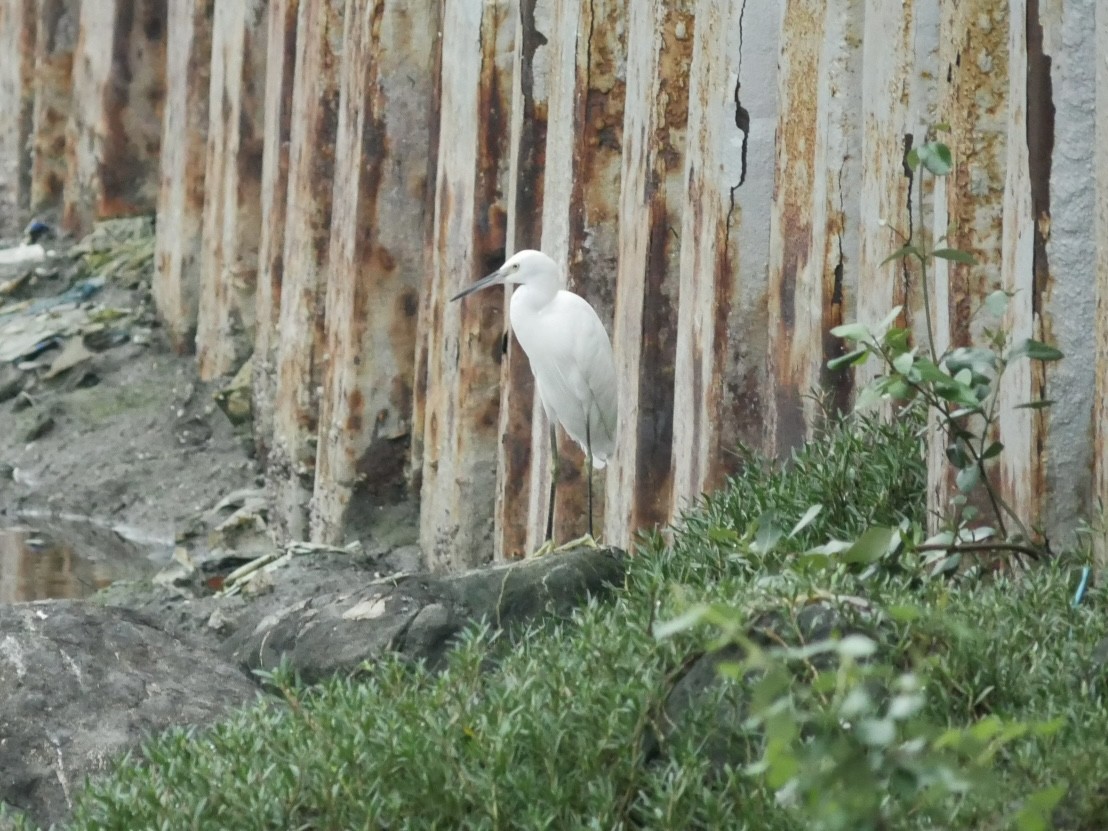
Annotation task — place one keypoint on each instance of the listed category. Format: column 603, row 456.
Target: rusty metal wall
column 722, row 185
column 113, row 140
column 177, row 244
column 463, row 341
column 18, row 24
column 280, row 72
column 232, row 186
column 375, row 266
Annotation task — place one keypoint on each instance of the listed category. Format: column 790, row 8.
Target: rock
column 417, row 615
column 83, row 683
column 40, row 425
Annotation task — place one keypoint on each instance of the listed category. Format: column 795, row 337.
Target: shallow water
column 54, row 559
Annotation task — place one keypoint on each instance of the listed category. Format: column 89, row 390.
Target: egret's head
column 523, row 268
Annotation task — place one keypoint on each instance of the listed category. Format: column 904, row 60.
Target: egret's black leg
column 588, row 448
column 553, row 482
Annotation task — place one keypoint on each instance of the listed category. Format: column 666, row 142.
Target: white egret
column 570, row 356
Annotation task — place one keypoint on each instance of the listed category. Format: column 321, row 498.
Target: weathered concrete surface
column 813, row 228
column 377, row 234
column 55, row 40
column 177, row 246
column 719, row 365
column 463, row 342
column 232, row 184
column 17, row 56
column 417, row 615
column 113, row 142
column 639, row 478
column 281, row 39
column 1075, row 42
column 521, row 415
column 1100, row 399
column 82, row 684
column 300, row 342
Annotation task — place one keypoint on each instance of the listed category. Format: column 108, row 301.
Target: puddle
column 41, row 560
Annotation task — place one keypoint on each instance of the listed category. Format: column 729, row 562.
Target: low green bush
column 556, row 728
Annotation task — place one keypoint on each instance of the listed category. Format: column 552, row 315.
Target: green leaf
column 992, row 450
column 967, row 478
column 854, row 356
column 856, row 646
column 768, row 534
column 954, row 255
column 913, row 159
column 903, row 363
column 935, row 156
column 872, row 545
column 1037, row 809
column 956, row 455
column 997, row 302
column 1041, row 404
column 898, row 389
column 1035, row 350
column 890, row 318
column 683, row 622
column 901, row 253
column 897, row 339
column 805, row 520
column 852, row 331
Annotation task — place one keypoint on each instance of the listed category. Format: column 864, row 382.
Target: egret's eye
column 515, row 267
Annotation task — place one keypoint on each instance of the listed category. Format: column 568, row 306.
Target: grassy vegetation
column 551, row 733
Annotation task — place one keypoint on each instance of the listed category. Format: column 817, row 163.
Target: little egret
column 570, row 356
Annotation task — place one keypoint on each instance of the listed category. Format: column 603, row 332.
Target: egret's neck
column 539, row 289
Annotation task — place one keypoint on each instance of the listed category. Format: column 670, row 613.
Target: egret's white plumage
column 568, row 348
column 569, row 352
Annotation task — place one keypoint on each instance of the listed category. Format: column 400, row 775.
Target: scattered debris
column 236, row 399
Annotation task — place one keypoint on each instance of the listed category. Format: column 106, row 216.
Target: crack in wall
column 742, row 118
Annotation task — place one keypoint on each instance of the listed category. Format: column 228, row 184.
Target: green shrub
column 550, row 730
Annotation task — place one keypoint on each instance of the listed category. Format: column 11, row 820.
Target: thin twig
column 981, row 547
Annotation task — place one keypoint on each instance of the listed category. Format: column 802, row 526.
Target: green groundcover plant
column 963, row 703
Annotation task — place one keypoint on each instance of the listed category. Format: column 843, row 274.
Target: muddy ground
column 127, row 437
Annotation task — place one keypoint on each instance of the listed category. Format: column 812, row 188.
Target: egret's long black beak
column 494, row 279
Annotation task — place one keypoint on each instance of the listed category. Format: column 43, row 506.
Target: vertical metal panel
column 425, row 317
column 1061, row 97
column 1019, row 467
column 114, row 136
column 719, row 365
column 579, row 227
column 465, row 339
column 811, row 230
column 17, row 56
column 1099, row 500
column 232, row 219
column 55, row 40
column 973, row 66
column 659, row 45
column 178, row 240
column 894, row 121
column 536, row 34
column 301, row 328
column 376, row 248
column 281, row 39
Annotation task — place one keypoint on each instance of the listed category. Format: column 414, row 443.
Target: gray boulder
column 82, row 683
column 417, row 615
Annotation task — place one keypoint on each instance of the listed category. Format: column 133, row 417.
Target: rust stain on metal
column 178, row 243
column 300, row 351
column 802, row 37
